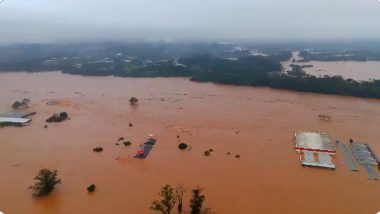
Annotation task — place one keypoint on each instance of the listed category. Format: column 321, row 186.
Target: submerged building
column 14, row 118
column 315, row 149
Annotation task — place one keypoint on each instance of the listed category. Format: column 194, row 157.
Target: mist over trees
column 225, row 63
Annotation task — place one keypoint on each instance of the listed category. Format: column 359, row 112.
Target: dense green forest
column 218, row 63
column 340, row 55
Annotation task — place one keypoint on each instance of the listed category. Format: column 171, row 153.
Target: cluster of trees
column 281, row 56
column 47, row 179
column 243, row 71
column 199, row 62
column 301, row 82
column 171, row 196
column 326, row 85
column 337, row 55
column 196, row 66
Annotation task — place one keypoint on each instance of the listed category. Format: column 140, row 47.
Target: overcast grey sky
column 170, row 20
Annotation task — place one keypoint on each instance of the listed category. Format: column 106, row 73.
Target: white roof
column 14, row 120
column 313, row 140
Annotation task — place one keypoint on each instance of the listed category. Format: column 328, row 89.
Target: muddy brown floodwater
column 256, row 123
column 362, row 71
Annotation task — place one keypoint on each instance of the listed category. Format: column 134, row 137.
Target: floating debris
column 59, row 102
column 324, row 117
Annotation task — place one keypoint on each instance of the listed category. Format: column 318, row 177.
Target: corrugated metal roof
column 14, row 120
column 314, row 141
column 14, row 114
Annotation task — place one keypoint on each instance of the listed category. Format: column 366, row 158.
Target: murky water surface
column 256, row 123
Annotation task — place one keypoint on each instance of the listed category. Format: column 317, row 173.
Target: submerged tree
column 91, row 188
column 166, row 204
column 180, row 190
column 182, row 146
column 133, row 100
column 196, row 201
column 45, row 182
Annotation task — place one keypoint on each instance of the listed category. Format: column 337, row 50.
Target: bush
column 45, row 182
column 127, row 143
column 17, row 105
column 58, row 117
column 63, row 115
column 98, row 149
column 237, row 156
column 210, row 150
column 130, row 124
column 182, row 146
column 133, row 100
column 207, row 153
column 91, row 188
column 22, row 104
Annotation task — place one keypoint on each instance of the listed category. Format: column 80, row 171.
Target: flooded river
column 256, row 123
column 347, row 69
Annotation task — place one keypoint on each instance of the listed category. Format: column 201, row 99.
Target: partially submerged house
column 9, row 121
column 315, row 149
column 16, row 114
column 366, row 157
column 15, row 118
column 145, row 148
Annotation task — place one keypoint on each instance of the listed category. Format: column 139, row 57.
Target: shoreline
column 198, row 81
